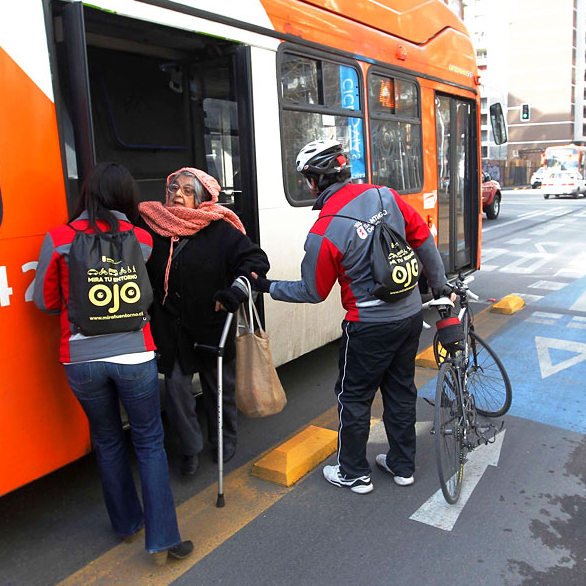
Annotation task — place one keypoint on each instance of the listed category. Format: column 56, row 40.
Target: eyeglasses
column 188, row 190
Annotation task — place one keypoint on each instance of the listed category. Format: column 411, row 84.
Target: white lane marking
column 528, row 298
column 547, row 315
column 553, row 227
column 516, row 241
column 527, row 262
column 574, row 267
column 543, row 317
column 549, row 285
column 436, row 512
column 580, row 304
column 492, row 253
column 520, row 218
column 546, row 366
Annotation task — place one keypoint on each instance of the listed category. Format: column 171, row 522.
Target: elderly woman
column 199, row 248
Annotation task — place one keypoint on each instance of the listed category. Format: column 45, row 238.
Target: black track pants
column 373, row 355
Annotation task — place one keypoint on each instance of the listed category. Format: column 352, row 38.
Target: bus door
column 155, row 99
column 458, row 200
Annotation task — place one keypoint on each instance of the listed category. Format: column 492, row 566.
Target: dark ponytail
column 110, row 186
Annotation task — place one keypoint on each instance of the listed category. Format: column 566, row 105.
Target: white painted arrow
column 436, row 512
column 546, row 365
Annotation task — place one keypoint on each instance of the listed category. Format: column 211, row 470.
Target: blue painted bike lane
column 543, row 348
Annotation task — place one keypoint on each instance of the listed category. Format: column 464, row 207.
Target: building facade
column 532, row 59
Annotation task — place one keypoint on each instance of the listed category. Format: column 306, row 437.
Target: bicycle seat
column 442, row 301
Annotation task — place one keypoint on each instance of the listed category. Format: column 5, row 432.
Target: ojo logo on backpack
column 394, row 264
column 109, row 289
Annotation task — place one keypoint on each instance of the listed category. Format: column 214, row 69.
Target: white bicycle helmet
column 321, row 157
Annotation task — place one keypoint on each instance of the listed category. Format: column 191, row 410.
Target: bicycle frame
column 468, row 421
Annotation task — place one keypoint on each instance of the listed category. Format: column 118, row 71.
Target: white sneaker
column 360, row 485
column 381, row 462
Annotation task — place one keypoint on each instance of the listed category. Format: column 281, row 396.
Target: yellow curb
column 287, row 463
column 508, row 305
column 426, row 359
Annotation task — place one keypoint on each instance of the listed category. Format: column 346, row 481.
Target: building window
column 395, row 132
column 320, row 99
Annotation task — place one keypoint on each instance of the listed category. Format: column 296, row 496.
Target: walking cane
column 219, row 351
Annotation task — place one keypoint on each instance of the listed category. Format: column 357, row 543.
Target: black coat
column 209, row 262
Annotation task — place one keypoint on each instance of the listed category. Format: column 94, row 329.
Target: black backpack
column 109, row 287
column 393, row 263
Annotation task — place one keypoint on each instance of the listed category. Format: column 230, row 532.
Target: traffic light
column 525, row 113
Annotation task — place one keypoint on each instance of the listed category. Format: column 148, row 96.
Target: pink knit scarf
column 172, row 221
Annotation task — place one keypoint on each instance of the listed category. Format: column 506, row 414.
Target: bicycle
column 468, row 369
column 488, row 380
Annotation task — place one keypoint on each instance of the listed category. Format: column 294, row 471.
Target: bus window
column 395, row 133
column 320, row 100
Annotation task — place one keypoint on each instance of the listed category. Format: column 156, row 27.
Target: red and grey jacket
column 51, row 295
column 338, row 248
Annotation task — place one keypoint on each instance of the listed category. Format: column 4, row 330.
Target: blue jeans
column 100, row 387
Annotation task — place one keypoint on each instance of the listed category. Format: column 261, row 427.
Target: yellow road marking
column 209, row 527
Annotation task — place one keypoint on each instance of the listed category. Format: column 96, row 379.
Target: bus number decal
column 29, row 266
column 5, row 290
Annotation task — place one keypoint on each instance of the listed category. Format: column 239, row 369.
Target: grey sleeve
column 305, row 290
column 432, row 263
column 46, row 290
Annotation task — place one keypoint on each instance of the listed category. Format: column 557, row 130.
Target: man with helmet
column 379, row 339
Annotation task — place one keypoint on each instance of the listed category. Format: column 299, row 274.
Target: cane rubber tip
column 220, row 502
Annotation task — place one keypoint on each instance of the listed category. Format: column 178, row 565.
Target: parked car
column 491, row 196
column 537, row 177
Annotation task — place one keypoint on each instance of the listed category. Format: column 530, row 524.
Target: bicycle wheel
column 449, row 447
column 487, row 381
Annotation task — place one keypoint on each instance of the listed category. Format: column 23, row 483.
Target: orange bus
column 235, row 88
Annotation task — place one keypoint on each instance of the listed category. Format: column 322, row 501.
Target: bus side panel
column 295, row 328
column 42, row 426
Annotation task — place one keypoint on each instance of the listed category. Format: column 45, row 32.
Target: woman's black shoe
column 179, row 552
column 189, row 465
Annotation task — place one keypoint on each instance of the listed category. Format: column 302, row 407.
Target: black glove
column 444, row 291
column 231, row 298
column 260, row 284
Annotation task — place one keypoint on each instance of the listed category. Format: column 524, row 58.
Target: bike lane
column 543, row 349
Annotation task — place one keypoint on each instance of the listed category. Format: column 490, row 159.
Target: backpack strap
column 382, row 207
column 180, row 246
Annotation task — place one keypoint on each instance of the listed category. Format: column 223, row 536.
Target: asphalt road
column 523, row 518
